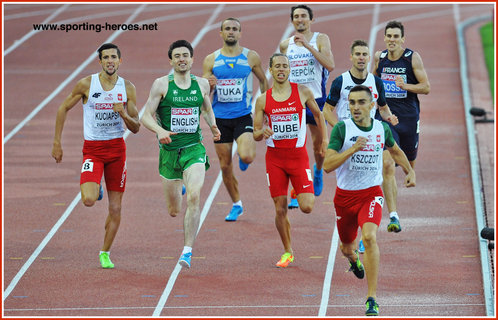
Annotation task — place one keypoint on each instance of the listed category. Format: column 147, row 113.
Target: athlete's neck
column 395, row 55
column 231, row 51
column 108, row 81
column 359, row 74
column 182, row 79
column 281, row 91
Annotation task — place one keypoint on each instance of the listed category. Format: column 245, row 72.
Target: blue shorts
column 406, row 135
column 310, row 119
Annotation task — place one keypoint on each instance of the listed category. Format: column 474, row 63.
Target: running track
column 51, row 241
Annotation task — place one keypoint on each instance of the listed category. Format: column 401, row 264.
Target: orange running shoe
column 293, row 204
column 285, row 260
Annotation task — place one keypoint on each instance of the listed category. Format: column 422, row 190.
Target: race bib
column 368, row 159
column 390, row 87
column 230, row 90
column 302, row 71
column 184, row 120
column 285, row 126
column 105, row 117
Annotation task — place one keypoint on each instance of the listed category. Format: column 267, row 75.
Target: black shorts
column 231, row 129
column 406, row 135
column 310, row 119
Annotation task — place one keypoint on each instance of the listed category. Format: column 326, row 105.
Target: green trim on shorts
column 172, row 163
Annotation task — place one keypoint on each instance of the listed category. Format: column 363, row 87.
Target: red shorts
column 108, row 157
column 283, row 164
column 354, row 208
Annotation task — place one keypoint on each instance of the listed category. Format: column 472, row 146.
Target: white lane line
column 31, row 33
column 327, row 281
column 68, row 211
column 207, row 205
column 68, row 79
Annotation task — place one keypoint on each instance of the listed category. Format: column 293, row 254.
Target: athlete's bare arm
column 260, row 131
column 423, row 86
column 306, row 94
column 130, row 114
column 329, row 114
column 400, row 158
column 207, row 109
column 255, row 63
column 79, row 92
column 334, row 159
column 207, row 71
column 157, row 92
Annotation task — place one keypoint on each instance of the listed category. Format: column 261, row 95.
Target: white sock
column 187, row 250
column 238, row 203
column 394, row 214
column 108, row 252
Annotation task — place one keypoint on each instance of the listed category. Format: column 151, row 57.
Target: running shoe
column 105, row 261
column 101, row 193
column 293, row 204
column 185, row 260
column 361, row 247
column 285, row 260
column 318, row 181
column 357, row 267
column 372, row 307
column 242, row 165
column 234, row 213
column 394, row 225
column 183, row 190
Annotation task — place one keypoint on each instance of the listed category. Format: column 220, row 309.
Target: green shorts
column 172, row 163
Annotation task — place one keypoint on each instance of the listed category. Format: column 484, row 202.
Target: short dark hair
column 393, row 25
column 358, row 43
column 179, row 44
column 277, row 54
column 231, row 19
column 301, row 6
column 359, row 88
column 106, row 46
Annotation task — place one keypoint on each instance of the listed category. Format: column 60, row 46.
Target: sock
column 394, row 214
column 238, row 203
column 187, row 250
column 108, row 252
column 318, row 172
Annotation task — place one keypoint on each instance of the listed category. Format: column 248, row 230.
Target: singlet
column 364, row 168
column 179, row 111
column 233, row 95
column 342, row 106
column 99, row 121
column 305, row 69
column 401, row 102
column 287, row 119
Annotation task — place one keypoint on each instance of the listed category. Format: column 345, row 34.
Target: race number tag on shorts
column 392, row 90
column 184, row 120
column 285, row 126
column 87, row 166
column 230, row 90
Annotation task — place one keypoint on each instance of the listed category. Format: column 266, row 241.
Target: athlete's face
column 301, row 20
column 360, row 58
column 280, row 69
column 110, row 61
column 360, row 104
column 181, row 61
column 230, row 32
column 393, row 39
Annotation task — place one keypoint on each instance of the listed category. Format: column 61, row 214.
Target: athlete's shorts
column 106, row 157
column 354, row 208
column 231, row 129
column 172, row 163
column 406, row 135
column 283, row 164
column 310, row 119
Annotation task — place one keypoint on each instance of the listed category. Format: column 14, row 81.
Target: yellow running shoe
column 285, row 260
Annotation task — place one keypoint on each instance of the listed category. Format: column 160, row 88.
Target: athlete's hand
column 165, row 136
column 360, row 143
column 400, row 82
column 267, row 132
column 392, row 119
column 57, row 152
column 212, row 82
column 410, row 179
column 216, row 133
column 118, row 107
column 299, row 37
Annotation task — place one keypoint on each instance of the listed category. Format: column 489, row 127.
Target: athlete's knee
column 281, row 211
column 247, row 158
column 115, row 208
column 306, row 207
column 369, row 239
column 389, row 166
column 88, row 201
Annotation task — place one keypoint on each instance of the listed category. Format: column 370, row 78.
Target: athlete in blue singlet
column 311, row 60
column 229, row 73
column 404, row 76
